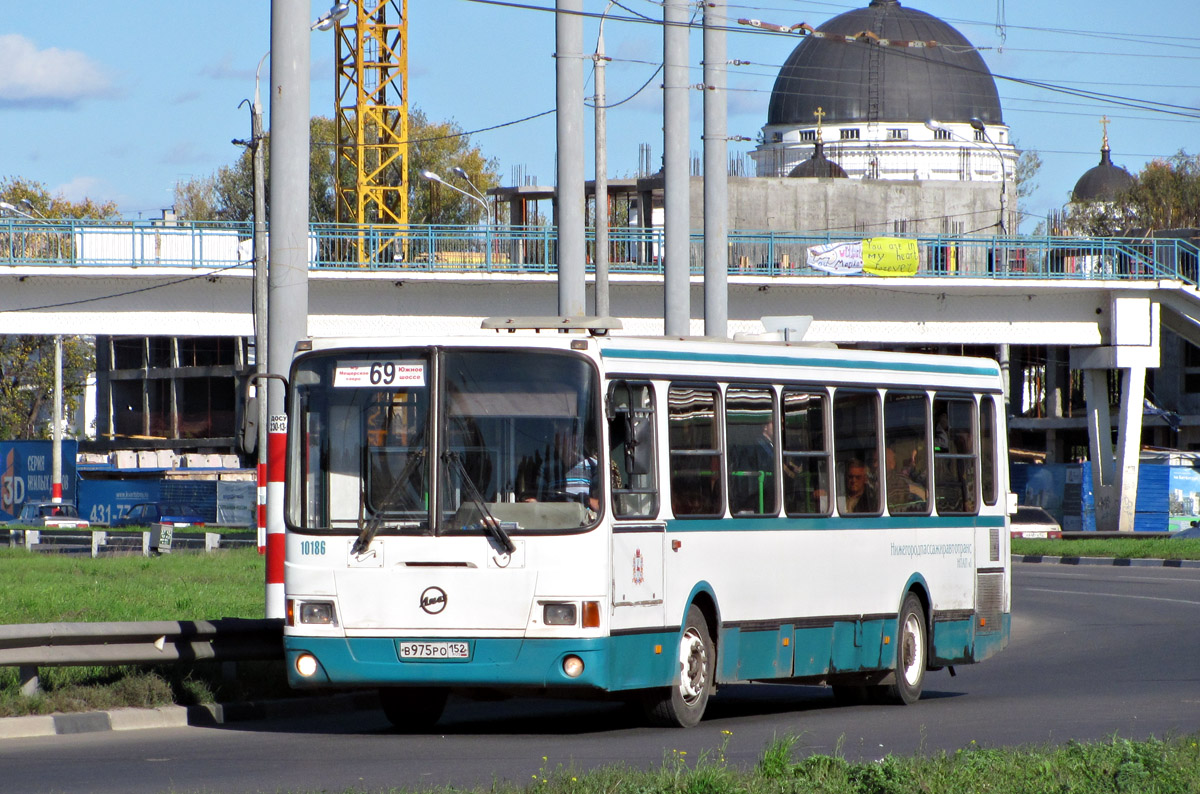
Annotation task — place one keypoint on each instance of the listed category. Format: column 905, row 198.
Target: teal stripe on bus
column 805, row 360
column 856, row 522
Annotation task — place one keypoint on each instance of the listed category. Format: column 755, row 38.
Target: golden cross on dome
column 1104, row 125
column 820, row 114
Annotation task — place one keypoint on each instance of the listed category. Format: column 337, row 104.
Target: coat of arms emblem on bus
column 639, row 568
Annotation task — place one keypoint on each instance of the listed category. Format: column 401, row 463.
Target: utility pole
column 258, row 153
column 601, row 182
column 287, row 298
column 677, row 298
column 572, row 248
column 716, row 183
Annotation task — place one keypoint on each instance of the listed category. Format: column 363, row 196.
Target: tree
column 229, row 193
column 27, row 382
column 1028, row 165
column 15, row 190
column 1164, row 195
column 26, row 361
column 440, row 147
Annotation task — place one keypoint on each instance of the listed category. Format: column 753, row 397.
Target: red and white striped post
column 56, row 489
column 261, row 512
column 276, row 537
column 287, row 278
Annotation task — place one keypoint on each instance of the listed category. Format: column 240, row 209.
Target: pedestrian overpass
column 1106, row 299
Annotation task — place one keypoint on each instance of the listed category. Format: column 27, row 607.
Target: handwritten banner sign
column 890, row 256
column 837, row 258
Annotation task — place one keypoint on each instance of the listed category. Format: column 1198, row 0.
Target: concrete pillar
column 1100, row 448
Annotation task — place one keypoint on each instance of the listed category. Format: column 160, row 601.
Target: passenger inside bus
column 904, row 495
column 856, row 495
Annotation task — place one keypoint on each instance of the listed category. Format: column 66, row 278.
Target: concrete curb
column 1119, row 562
column 209, row 714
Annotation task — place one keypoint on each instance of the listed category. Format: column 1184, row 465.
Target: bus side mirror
column 639, row 445
column 248, row 438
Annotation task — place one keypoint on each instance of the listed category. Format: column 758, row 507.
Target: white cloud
column 49, row 77
column 82, row 187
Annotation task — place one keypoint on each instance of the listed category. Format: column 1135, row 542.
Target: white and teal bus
column 645, row 517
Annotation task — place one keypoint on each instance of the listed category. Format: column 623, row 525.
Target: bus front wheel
column 911, row 655
column 682, row 704
column 413, row 708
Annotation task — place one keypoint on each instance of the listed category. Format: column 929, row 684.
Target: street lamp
column 336, row 12
column 461, row 173
column 7, row 207
column 978, row 125
column 26, row 202
column 430, row 176
column 257, row 144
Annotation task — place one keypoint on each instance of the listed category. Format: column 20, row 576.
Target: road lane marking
column 1113, row 595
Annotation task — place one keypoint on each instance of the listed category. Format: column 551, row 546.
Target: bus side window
column 632, row 464
column 696, row 452
column 750, row 440
column 955, row 461
column 906, row 452
column 805, row 454
column 856, row 451
column 987, row 449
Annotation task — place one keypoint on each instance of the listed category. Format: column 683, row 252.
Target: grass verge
column 1119, row 548
column 51, row 588
column 1115, row 766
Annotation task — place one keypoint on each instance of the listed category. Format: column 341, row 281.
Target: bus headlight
column 318, row 612
column 306, row 665
column 573, row 666
column 558, row 614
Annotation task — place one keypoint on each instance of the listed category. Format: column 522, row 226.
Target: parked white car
column 49, row 515
column 1034, row 522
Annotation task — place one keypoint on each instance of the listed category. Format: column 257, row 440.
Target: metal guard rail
column 496, row 248
column 153, row 642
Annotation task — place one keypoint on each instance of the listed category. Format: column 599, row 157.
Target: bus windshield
column 517, row 441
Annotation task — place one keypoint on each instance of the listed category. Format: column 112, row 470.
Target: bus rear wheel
column 413, row 708
column 912, row 655
column 682, row 704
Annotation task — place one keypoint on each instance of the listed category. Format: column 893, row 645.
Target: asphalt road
column 1095, row 651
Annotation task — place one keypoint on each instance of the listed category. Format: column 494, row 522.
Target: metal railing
column 29, row 646
column 158, row 540
column 533, row 249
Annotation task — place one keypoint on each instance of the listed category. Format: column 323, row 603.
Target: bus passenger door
column 637, row 534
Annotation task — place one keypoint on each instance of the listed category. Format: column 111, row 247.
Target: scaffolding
column 371, row 167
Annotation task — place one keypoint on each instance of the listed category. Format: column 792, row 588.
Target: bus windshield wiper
column 488, row 521
column 373, row 525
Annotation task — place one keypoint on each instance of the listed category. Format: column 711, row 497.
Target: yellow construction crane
column 371, row 168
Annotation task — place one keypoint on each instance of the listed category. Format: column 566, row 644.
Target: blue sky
column 119, row 101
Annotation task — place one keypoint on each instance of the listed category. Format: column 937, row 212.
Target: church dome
column 819, row 166
column 1103, row 182
column 866, row 82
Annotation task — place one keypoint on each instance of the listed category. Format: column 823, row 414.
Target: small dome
column 1103, row 182
column 863, row 82
column 818, row 166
